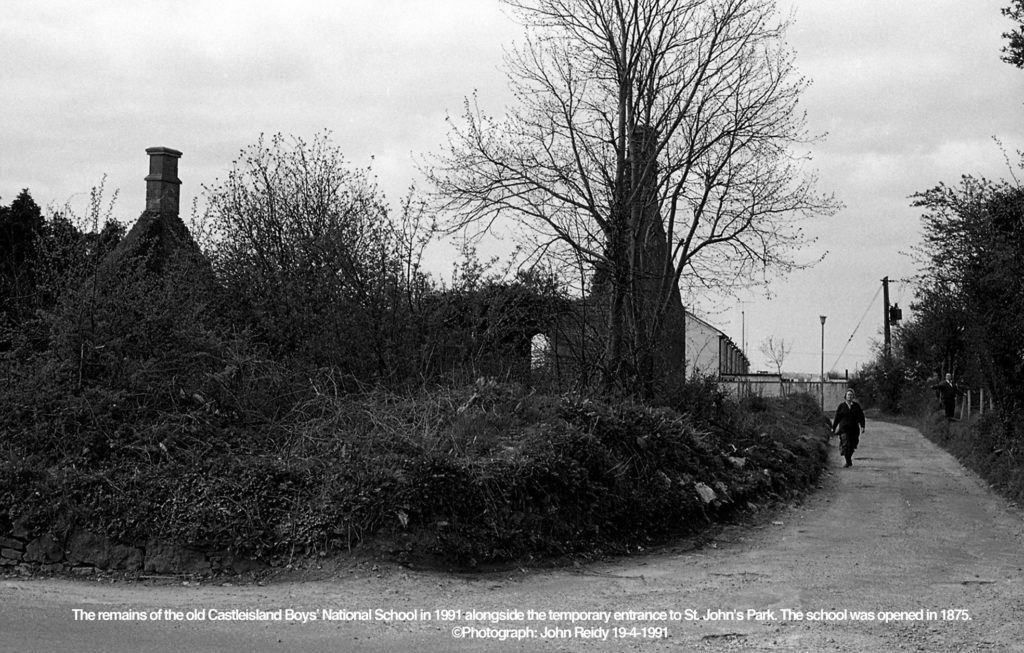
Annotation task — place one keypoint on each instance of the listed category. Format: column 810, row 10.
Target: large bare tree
column 658, row 142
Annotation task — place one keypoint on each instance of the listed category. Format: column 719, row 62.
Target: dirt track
column 905, row 531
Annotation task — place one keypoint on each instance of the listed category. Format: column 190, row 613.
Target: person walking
column 848, row 424
column 948, row 392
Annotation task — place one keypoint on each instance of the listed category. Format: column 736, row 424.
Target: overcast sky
column 911, row 93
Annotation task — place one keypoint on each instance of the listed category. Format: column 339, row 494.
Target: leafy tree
column 43, row 257
column 21, row 225
column 971, row 290
column 1013, row 51
column 653, row 142
column 882, row 383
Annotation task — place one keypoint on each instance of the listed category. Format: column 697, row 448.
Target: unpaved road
column 904, row 534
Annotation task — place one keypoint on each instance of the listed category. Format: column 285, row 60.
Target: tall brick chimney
column 159, row 237
column 163, row 187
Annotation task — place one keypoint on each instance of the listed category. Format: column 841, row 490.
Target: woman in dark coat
column 848, row 423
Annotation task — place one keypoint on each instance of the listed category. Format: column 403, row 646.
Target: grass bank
column 480, row 474
column 987, row 444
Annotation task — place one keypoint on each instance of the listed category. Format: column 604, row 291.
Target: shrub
column 698, row 396
column 489, row 472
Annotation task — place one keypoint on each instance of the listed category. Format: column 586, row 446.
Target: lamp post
column 822, row 317
column 743, row 332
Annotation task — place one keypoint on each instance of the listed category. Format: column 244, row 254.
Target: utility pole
column 885, row 319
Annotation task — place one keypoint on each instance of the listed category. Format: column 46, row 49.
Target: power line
column 868, row 310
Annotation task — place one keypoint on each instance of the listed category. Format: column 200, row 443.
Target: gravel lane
column 905, row 551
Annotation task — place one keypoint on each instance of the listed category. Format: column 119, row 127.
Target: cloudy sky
column 911, row 93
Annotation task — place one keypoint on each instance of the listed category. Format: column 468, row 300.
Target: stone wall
column 85, row 553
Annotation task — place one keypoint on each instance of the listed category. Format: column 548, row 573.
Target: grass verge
column 986, row 444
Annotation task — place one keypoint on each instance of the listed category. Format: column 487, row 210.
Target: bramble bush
column 484, row 473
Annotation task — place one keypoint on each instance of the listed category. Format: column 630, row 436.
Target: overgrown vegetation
column 296, row 385
column 488, row 472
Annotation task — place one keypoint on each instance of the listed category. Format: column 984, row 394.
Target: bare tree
column 653, row 141
column 775, row 351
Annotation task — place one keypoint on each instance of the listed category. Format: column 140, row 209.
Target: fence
column 976, row 402
column 772, row 385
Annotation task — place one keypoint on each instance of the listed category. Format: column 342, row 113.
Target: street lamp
column 822, row 362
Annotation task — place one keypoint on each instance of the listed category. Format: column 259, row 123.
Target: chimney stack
column 162, row 184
